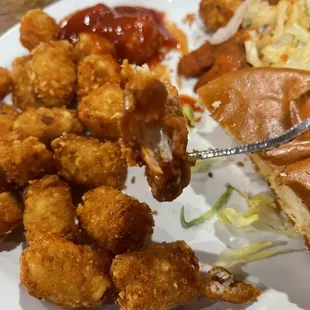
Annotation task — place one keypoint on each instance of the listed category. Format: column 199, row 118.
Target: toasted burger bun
column 255, row 104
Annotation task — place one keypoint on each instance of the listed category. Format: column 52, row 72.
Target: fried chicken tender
column 93, row 44
column 8, row 115
column 154, row 132
column 6, row 82
column 118, row 222
column 68, row 275
column 10, row 213
column 36, row 27
column 159, row 277
column 217, row 13
column 24, row 158
column 47, row 123
column 219, row 284
column 23, row 92
column 49, row 209
column 52, row 73
column 101, row 111
column 95, row 71
column 88, row 162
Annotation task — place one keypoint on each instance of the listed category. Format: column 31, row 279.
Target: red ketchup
column 138, row 33
column 185, row 99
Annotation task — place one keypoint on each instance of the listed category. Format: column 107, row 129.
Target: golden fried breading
column 8, row 115
column 6, row 82
column 92, row 43
column 49, row 209
column 23, row 92
column 88, row 162
column 118, row 222
column 47, row 123
column 52, row 73
column 10, row 213
column 68, row 275
column 36, row 27
column 100, row 111
column 5, row 185
column 97, row 70
column 160, row 277
column 219, row 284
column 23, row 159
column 217, row 13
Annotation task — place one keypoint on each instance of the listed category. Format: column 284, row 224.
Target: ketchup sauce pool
column 138, row 33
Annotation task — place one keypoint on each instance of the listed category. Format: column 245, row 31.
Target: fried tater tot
column 95, row 71
column 52, row 73
column 217, row 13
column 88, row 162
column 160, row 277
column 119, row 223
column 36, row 27
column 6, row 82
column 8, row 115
column 5, row 185
column 24, row 159
column 10, row 213
column 23, row 92
column 47, row 123
column 49, row 209
column 68, row 275
column 93, row 44
column 100, row 111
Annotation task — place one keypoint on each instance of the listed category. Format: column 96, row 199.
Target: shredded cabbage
column 209, row 214
column 262, row 213
column 252, row 252
column 279, row 34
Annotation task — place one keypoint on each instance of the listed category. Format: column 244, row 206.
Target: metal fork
column 262, row 145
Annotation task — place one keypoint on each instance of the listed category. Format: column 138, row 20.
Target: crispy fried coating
column 217, row 13
column 49, row 209
column 118, row 222
column 5, row 185
column 24, row 158
column 101, row 110
column 23, row 92
column 8, row 115
column 6, row 82
column 154, row 132
column 219, row 284
column 95, row 71
column 93, row 44
column 68, row 275
column 36, row 27
column 47, row 123
column 10, row 213
column 88, row 162
column 52, row 73
column 159, row 277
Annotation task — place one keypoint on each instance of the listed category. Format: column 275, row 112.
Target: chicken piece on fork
column 154, row 132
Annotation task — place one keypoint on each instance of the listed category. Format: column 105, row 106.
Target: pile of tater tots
column 59, row 138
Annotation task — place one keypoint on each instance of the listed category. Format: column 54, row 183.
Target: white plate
column 285, row 278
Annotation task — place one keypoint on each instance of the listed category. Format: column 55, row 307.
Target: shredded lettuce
column 204, row 165
column 189, row 115
column 236, row 218
column 252, row 252
column 209, row 214
column 262, row 214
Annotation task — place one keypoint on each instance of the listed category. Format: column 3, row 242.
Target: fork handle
column 262, row 145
